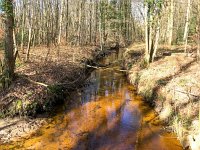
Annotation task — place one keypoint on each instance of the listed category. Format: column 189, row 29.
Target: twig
column 105, row 68
column 185, row 92
column 34, row 82
column 93, row 67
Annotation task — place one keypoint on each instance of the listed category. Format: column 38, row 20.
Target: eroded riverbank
column 106, row 114
column 27, row 104
column 171, row 85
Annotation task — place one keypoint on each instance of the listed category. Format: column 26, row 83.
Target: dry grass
column 179, row 129
column 194, row 137
column 172, row 85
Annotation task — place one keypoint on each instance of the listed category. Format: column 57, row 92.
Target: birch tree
column 152, row 28
column 30, row 30
column 60, row 22
column 171, row 22
column 185, row 38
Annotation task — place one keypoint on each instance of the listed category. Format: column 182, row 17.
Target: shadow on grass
column 164, row 81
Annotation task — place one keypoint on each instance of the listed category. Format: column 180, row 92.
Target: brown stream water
column 106, row 115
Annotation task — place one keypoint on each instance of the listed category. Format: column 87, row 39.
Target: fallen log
column 106, row 68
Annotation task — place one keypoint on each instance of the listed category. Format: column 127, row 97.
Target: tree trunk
column 9, row 43
column 146, row 34
column 96, row 22
column 67, row 22
column 171, row 23
column 156, row 40
column 29, row 43
column 60, row 22
column 90, row 26
column 187, row 25
column 23, row 26
column 100, row 27
column 198, row 33
column 16, row 53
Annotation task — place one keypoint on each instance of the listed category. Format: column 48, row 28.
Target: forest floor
column 171, row 85
column 34, row 89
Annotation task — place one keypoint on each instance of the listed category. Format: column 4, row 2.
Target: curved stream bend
column 106, row 115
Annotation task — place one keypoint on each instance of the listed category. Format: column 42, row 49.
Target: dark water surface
column 106, row 115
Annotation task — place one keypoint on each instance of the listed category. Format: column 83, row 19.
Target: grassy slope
column 172, row 86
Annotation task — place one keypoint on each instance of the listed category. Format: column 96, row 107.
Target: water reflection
column 110, row 117
column 130, row 117
column 102, row 83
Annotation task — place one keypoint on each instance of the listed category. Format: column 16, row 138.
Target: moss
column 2, row 115
column 19, row 105
column 161, row 82
column 55, row 95
column 183, row 82
column 54, row 89
column 148, row 94
column 14, row 108
column 11, row 110
column 31, row 109
column 143, row 64
column 5, row 80
column 18, row 63
column 161, row 97
column 129, row 66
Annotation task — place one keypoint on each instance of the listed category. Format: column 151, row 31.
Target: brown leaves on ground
column 46, row 65
column 52, row 65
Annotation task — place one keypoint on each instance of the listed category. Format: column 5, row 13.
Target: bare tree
column 46, row 21
column 185, row 38
column 152, row 28
column 9, row 62
column 198, row 32
column 171, row 22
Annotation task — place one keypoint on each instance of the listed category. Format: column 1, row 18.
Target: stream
column 106, row 114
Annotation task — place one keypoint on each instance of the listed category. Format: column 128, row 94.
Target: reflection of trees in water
column 101, row 83
column 90, row 91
